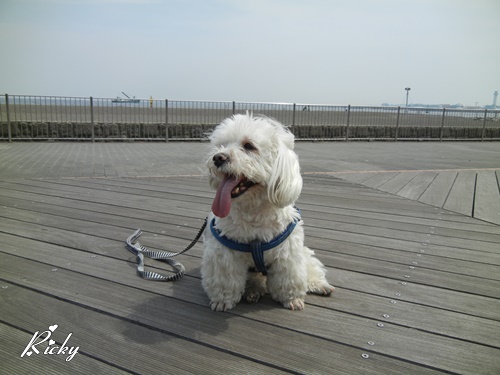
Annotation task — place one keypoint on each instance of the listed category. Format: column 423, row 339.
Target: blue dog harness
column 256, row 247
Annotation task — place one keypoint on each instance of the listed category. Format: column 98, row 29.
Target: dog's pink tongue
column 222, row 201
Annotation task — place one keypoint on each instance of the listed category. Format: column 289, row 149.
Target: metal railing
column 25, row 117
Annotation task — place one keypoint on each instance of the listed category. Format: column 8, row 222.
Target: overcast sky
column 311, row 51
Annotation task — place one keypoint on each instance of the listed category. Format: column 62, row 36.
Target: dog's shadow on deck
column 181, row 309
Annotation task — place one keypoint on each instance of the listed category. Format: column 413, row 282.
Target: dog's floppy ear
column 285, row 183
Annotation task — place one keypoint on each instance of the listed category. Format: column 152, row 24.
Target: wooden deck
column 418, row 287
column 472, row 192
column 408, row 236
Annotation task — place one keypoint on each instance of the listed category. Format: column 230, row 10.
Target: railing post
column 166, row 120
column 348, row 122
column 442, row 124
column 92, row 118
column 9, row 129
column 484, row 124
column 397, row 124
column 234, row 107
column 293, row 115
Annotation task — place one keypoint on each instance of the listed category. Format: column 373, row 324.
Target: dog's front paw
column 294, row 304
column 323, row 289
column 222, row 305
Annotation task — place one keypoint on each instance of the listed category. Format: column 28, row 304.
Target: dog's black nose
column 220, row 159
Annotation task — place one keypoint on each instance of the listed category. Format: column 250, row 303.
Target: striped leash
column 140, row 251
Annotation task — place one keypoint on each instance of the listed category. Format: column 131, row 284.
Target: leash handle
column 140, row 251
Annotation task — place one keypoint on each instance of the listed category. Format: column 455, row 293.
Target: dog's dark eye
column 249, row 147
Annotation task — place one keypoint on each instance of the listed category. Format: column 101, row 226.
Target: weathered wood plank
column 487, row 198
column 398, row 182
column 112, row 212
column 438, row 190
column 375, row 202
column 432, row 236
column 379, row 179
column 327, row 248
column 413, row 292
column 398, row 222
column 357, row 177
column 409, row 246
column 134, row 186
column 416, row 187
column 415, row 315
column 166, row 205
column 461, row 197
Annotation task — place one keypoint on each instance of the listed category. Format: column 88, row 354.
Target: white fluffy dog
column 256, row 173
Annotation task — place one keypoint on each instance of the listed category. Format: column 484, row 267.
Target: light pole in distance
column 407, row 93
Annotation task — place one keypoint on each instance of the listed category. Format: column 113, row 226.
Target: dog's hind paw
column 253, row 296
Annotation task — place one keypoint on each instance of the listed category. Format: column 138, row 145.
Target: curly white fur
column 257, row 149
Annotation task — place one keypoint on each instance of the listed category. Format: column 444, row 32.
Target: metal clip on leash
column 141, row 251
